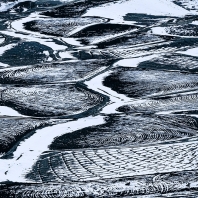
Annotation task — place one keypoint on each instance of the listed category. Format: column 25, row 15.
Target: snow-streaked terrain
column 98, row 98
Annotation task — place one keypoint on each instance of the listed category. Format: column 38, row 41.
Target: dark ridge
column 61, row 26
column 15, row 129
column 86, row 55
column 169, row 182
column 25, row 53
column 123, row 52
column 102, row 29
column 182, row 30
column 53, row 72
column 160, row 184
column 57, row 101
column 134, row 38
column 5, row 1
column 99, row 31
column 19, row 7
column 182, row 3
column 178, row 43
column 145, row 19
column 128, row 130
column 74, row 9
column 191, row 112
column 159, row 104
column 177, row 62
column 118, row 41
column 137, row 83
column 31, row 26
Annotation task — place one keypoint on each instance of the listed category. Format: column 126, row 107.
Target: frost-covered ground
column 98, row 98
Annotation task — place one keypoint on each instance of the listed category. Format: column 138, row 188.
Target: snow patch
column 117, row 10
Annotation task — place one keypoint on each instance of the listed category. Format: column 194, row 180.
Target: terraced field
column 98, row 98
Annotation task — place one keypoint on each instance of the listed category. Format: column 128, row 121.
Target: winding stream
column 98, row 98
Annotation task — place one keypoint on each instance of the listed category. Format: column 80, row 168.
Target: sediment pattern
column 149, row 83
column 183, row 103
column 12, row 129
column 137, row 130
column 98, row 98
column 62, row 27
column 101, row 32
column 153, row 184
column 50, row 100
column 54, row 73
column 75, row 8
column 177, row 62
column 102, row 164
column 132, row 52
